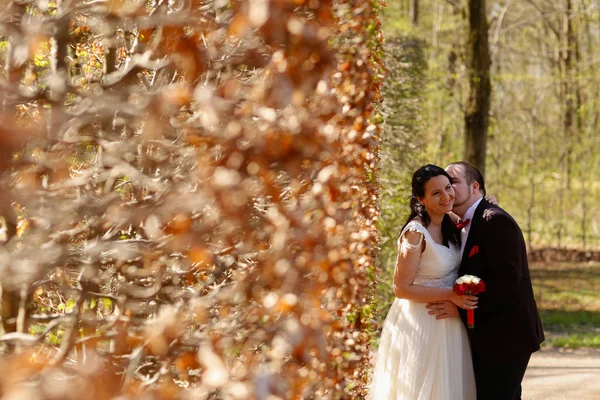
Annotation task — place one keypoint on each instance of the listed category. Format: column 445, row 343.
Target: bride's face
column 439, row 195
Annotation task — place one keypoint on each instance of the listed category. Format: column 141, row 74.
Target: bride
column 421, row 357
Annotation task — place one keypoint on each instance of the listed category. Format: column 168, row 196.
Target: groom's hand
column 443, row 309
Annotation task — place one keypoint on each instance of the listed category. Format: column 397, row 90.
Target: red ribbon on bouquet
column 469, row 285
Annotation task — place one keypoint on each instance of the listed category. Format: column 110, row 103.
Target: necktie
column 462, row 224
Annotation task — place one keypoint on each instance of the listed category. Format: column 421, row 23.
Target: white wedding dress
column 420, row 357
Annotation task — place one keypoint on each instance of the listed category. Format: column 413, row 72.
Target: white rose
column 460, row 280
column 476, row 280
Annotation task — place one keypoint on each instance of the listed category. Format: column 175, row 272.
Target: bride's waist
column 445, row 282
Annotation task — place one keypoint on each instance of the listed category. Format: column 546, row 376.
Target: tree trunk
column 477, row 107
column 569, row 91
column 570, row 96
column 532, row 187
column 414, row 12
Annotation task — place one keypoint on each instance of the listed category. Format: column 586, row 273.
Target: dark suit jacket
column 507, row 323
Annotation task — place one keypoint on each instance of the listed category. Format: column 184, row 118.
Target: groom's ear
column 476, row 187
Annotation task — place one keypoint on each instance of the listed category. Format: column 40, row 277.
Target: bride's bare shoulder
column 418, row 220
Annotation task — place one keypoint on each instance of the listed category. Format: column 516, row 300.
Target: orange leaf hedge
column 197, row 198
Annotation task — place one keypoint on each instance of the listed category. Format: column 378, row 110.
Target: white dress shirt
column 464, row 233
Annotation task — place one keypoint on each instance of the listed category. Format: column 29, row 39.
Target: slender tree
column 414, row 12
column 478, row 62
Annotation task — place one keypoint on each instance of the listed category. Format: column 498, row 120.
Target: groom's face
column 463, row 191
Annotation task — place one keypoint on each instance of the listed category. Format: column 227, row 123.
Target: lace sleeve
column 405, row 245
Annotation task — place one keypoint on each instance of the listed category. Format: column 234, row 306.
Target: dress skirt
column 422, row 358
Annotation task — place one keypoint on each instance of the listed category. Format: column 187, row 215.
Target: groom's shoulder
column 496, row 215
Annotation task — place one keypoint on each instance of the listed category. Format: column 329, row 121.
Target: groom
column 507, row 325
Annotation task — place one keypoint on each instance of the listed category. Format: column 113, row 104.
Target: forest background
column 542, row 145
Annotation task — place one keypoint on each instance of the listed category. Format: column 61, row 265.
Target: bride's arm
column 409, row 256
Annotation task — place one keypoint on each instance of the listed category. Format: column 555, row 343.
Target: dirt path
column 554, row 375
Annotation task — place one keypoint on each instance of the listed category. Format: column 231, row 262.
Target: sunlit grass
column 577, row 340
column 568, row 296
column 565, row 320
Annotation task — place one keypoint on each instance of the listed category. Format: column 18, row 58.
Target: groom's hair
column 472, row 174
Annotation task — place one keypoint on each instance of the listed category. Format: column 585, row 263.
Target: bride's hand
column 465, row 302
column 455, row 218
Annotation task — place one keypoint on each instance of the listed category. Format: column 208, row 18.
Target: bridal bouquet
column 469, row 285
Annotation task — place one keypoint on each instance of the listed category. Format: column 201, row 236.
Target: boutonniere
column 474, row 250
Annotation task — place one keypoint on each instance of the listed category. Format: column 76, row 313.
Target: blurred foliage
column 196, row 184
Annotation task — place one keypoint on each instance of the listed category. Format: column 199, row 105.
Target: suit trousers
column 499, row 382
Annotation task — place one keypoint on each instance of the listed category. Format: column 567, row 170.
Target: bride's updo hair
column 449, row 232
